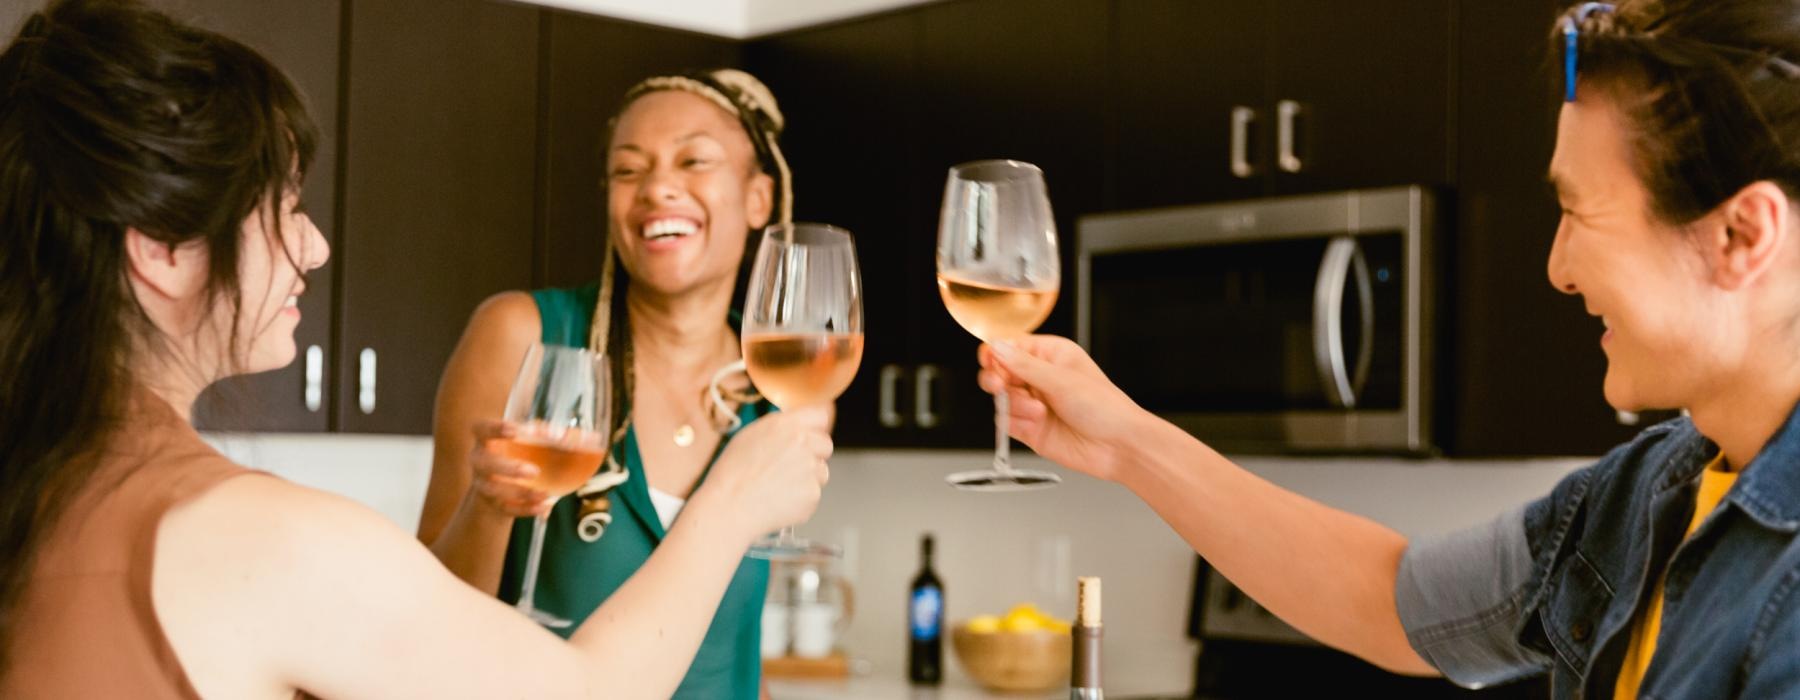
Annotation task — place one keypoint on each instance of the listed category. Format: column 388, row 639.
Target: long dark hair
column 1711, row 89
column 112, row 116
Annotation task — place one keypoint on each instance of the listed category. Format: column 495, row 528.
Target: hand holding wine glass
column 558, row 415
column 803, row 332
column 998, row 273
column 1062, row 405
column 772, row 473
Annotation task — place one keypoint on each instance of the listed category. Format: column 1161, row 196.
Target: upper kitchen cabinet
column 849, row 92
column 591, row 62
column 1190, row 91
column 1525, row 360
column 439, row 190
column 302, row 39
column 1016, row 79
column 1219, row 100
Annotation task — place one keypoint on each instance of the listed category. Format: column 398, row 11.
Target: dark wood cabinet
column 1219, row 100
column 850, row 94
column 1189, row 81
column 1371, row 82
column 440, row 185
column 302, row 39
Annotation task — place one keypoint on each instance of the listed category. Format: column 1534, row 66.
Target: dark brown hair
column 112, row 116
column 1711, row 89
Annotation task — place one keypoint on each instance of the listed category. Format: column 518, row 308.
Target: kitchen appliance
column 1301, row 323
column 809, row 606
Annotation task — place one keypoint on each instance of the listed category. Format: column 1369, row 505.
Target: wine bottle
column 925, row 616
column 1085, row 671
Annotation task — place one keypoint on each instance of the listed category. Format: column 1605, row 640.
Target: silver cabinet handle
column 890, row 378
column 922, row 384
column 365, row 381
column 315, row 378
column 1241, row 117
column 1342, row 256
column 1285, row 112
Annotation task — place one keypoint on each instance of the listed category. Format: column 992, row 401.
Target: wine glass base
column 992, row 481
column 546, row 619
column 773, row 548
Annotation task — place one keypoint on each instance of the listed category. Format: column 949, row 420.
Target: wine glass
column 998, row 274
column 560, row 412
column 803, row 333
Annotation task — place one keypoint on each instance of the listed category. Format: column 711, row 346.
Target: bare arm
column 264, row 587
column 1329, row 573
column 466, row 528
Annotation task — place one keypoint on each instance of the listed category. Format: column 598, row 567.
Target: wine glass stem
column 528, row 590
column 1002, row 440
column 786, row 538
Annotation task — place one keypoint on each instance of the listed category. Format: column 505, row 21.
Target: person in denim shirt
column 1668, row 569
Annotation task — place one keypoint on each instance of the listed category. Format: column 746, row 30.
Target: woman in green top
column 692, row 168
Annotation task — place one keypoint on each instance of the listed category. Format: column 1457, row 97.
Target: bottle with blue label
column 925, row 622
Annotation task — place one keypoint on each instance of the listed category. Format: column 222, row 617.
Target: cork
column 1087, row 613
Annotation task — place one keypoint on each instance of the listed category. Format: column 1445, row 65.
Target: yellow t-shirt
column 1714, row 482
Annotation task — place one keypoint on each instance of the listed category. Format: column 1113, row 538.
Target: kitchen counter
column 1131, row 670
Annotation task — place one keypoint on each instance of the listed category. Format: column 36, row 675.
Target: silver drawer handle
column 1241, row 117
column 365, row 381
column 922, row 384
column 1286, row 111
column 315, row 378
column 890, row 379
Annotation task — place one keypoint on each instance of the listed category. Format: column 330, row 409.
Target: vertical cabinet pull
column 1286, row 111
column 365, row 381
column 314, row 394
column 1241, row 117
column 923, row 412
column 890, row 380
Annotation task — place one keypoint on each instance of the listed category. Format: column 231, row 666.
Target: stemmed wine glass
column 560, row 412
column 803, row 333
column 998, row 272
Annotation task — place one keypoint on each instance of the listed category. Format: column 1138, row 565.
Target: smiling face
column 275, row 253
column 1665, row 324
column 683, row 192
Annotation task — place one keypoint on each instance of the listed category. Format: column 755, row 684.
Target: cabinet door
column 1372, row 83
column 1015, row 79
column 848, row 92
column 438, row 193
column 592, row 62
column 1526, row 359
column 1190, row 89
column 302, row 39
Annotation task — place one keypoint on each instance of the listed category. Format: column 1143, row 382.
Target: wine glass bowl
column 560, row 410
column 999, row 273
column 803, row 333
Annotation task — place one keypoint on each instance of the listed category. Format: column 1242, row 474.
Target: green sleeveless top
column 575, row 577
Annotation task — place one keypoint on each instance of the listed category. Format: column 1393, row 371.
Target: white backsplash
column 994, row 550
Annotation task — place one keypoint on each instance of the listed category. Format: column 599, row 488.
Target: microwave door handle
column 1365, row 346
column 1328, row 320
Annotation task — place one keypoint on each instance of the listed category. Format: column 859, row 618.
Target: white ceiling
column 736, row 19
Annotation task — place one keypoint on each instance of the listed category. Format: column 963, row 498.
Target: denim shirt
column 1557, row 585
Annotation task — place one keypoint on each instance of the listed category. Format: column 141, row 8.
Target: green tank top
column 575, row 577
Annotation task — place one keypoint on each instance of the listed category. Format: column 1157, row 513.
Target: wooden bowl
column 1014, row 661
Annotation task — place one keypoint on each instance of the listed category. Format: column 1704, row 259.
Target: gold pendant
column 684, row 436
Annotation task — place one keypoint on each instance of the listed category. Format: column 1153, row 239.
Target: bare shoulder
column 511, row 315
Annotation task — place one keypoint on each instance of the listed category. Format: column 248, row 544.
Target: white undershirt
column 667, row 506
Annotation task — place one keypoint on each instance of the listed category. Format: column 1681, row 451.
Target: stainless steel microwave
column 1290, row 324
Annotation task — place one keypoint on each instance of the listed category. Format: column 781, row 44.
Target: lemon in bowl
column 1024, row 650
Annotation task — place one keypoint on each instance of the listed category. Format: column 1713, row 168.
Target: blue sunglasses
column 1570, row 33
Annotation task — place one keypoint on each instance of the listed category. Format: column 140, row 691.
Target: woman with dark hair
column 1671, row 568
column 693, row 165
column 151, row 242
